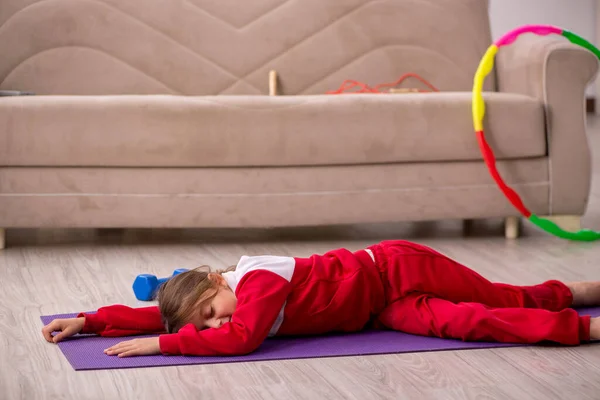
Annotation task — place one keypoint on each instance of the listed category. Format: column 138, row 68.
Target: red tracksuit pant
column 430, row 294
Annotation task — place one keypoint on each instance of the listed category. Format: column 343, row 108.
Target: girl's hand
column 67, row 327
column 135, row 347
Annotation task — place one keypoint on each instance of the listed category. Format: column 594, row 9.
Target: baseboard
column 590, row 104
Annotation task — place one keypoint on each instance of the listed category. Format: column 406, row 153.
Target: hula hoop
column 478, row 108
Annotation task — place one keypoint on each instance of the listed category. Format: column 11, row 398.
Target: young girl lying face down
column 391, row 285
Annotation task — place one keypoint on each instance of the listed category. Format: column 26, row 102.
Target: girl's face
column 219, row 310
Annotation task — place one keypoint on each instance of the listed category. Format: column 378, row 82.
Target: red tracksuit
column 395, row 284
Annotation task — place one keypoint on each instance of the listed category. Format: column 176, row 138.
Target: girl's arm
column 261, row 296
column 120, row 320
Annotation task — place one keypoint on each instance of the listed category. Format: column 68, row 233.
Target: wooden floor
column 66, row 271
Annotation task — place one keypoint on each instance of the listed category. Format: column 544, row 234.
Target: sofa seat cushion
column 232, row 131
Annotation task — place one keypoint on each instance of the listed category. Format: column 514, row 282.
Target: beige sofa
column 154, row 116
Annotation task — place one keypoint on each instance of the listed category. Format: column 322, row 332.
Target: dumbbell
column 145, row 285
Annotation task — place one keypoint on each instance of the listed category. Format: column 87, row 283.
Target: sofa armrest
column 556, row 73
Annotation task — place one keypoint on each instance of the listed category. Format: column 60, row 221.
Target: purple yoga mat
column 85, row 352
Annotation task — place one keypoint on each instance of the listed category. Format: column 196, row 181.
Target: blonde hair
column 179, row 297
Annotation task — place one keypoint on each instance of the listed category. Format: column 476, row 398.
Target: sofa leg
column 2, row 238
column 511, row 227
column 570, row 223
column 467, row 226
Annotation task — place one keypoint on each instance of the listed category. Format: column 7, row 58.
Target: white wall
column 578, row 16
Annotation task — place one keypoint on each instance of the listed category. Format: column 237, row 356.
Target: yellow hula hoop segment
column 485, row 67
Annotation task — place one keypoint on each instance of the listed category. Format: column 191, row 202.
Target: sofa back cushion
column 210, row 47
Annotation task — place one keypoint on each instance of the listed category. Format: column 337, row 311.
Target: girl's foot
column 595, row 328
column 585, row 294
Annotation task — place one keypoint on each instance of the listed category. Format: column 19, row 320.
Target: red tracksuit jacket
column 400, row 285
column 339, row 291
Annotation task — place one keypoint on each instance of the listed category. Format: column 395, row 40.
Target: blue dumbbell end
column 144, row 286
column 180, row 271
